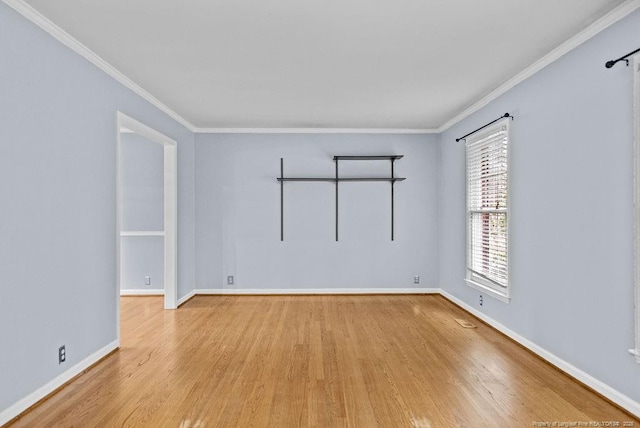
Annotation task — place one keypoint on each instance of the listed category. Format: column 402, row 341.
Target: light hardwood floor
column 288, row 361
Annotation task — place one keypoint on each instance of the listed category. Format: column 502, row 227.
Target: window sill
column 636, row 354
column 488, row 291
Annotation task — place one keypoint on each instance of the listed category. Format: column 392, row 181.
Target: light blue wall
column 571, row 233
column 572, row 247
column 142, row 176
column 142, row 256
column 238, row 212
column 57, row 187
column 142, row 183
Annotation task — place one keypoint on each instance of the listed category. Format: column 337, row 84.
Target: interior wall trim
column 142, row 233
column 606, row 21
column 315, row 131
column 72, row 43
column 305, row 291
column 596, row 385
column 142, row 292
column 184, row 299
column 56, row 383
column 65, row 38
column 636, row 204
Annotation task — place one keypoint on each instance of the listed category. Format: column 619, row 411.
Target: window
column 487, row 210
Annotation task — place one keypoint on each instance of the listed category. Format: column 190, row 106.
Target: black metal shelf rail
column 341, row 179
column 337, row 179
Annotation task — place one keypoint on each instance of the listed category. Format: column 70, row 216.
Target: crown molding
column 65, row 38
column 313, row 131
column 72, row 43
column 606, row 21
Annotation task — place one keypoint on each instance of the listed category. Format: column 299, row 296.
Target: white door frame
column 170, row 207
column 636, row 200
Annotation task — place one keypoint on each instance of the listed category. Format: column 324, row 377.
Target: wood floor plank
column 317, row 361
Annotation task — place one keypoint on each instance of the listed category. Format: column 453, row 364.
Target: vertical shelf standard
column 281, row 199
column 392, row 179
column 336, row 201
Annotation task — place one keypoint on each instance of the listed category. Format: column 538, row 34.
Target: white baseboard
column 615, row 396
column 186, row 297
column 31, row 399
column 143, row 292
column 602, row 388
column 298, row 291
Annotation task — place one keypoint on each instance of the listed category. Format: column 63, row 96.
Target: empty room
column 297, row 213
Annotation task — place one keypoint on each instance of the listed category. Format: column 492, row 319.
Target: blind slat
column 487, row 205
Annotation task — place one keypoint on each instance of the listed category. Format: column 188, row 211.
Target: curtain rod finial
column 610, row 64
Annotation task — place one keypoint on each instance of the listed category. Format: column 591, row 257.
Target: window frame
column 472, row 279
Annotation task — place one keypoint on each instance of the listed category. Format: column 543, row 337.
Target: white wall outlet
column 416, row 279
column 230, row 280
column 147, row 280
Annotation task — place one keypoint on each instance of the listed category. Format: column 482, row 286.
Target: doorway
column 127, row 126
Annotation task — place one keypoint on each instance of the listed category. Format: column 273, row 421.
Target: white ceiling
column 321, row 64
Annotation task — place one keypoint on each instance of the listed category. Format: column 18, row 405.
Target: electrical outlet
column 147, row 280
column 416, row 279
column 481, row 300
column 230, row 280
column 62, row 354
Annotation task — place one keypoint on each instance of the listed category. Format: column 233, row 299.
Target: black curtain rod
column 482, row 127
column 611, row 63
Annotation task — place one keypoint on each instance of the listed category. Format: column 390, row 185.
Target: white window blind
column 487, row 212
